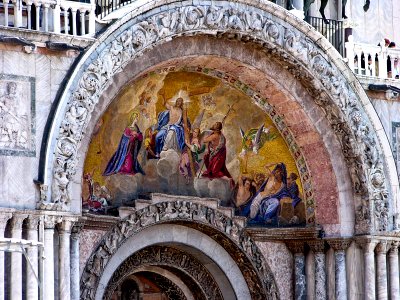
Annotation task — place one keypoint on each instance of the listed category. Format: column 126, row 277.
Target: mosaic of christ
column 190, row 134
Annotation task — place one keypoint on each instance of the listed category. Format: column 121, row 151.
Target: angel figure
column 194, row 148
column 253, row 140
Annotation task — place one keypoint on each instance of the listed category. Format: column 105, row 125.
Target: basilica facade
column 199, row 150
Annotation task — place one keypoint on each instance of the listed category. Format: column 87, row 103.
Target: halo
column 134, row 115
column 181, row 94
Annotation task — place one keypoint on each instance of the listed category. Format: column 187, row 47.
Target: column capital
column 4, row 219
column 394, row 248
column 33, row 221
column 78, row 226
column 17, row 220
column 51, row 221
column 382, row 247
column 295, row 246
column 367, row 244
column 339, row 244
column 65, row 225
column 317, row 246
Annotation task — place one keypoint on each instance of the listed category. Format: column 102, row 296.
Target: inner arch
column 223, row 265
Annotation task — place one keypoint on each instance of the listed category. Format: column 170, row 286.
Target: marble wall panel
column 280, row 260
column 35, row 75
column 87, row 242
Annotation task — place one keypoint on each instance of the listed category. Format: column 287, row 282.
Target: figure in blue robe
column 264, row 207
column 163, row 128
column 125, row 159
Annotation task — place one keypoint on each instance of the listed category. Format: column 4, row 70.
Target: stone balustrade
column 372, row 60
column 57, row 16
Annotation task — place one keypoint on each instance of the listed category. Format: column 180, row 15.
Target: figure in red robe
column 215, row 157
column 125, row 159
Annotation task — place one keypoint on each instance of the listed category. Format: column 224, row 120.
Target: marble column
column 340, row 246
column 368, row 246
column 3, row 222
column 300, row 284
column 318, row 247
column 381, row 249
column 32, row 284
column 48, row 272
column 394, row 270
column 64, row 231
column 75, row 288
column 16, row 259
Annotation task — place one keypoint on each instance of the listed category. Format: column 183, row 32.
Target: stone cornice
column 268, row 234
column 96, row 222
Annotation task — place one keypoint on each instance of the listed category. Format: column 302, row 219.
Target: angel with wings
column 190, row 157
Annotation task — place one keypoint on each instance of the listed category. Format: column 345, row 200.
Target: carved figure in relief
column 13, row 124
column 125, row 159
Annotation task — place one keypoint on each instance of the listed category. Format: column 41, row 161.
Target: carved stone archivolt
column 299, row 54
column 171, row 258
column 224, row 230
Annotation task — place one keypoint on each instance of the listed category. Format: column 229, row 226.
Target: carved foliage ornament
column 248, row 257
column 303, row 58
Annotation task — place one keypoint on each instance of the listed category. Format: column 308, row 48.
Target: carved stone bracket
column 218, row 226
column 301, row 56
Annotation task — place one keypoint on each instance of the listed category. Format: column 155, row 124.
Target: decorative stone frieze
column 215, row 224
column 300, row 55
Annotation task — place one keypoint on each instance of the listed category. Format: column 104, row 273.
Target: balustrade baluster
column 28, row 10
column 37, row 7
column 5, row 3
column 66, row 21
column 373, row 66
column 73, row 21
column 56, row 17
column 46, row 17
column 83, row 30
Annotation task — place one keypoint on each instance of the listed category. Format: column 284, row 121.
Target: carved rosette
column 300, row 55
column 218, row 226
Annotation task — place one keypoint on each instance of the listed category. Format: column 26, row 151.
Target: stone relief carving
column 167, row 256
column 330, row 90
column 256, row 272
column 15, row 116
